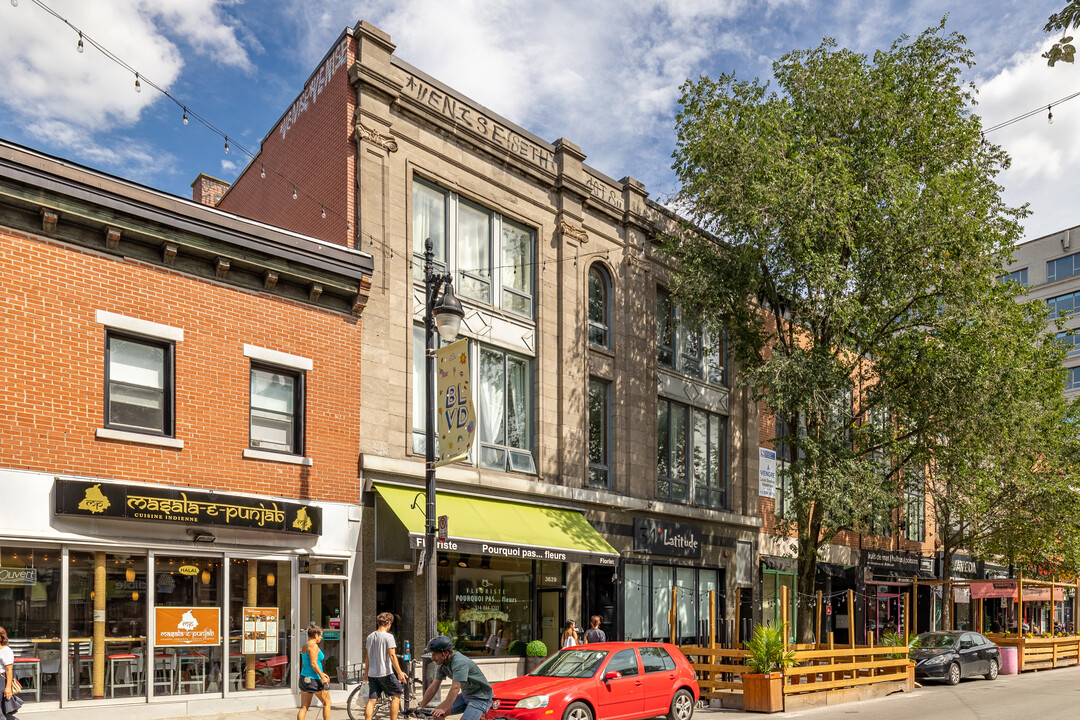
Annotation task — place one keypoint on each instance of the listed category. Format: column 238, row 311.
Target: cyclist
column 470, row 693
column 382, row 673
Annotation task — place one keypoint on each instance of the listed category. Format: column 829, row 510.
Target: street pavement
column 1046, row 695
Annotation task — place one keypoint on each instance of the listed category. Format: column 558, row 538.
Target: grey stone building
column 614, row 456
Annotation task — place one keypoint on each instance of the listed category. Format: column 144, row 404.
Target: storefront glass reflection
column 106, row 657
column 30, row 612
column 260, row 617
column 486, row 603
column 187, row 618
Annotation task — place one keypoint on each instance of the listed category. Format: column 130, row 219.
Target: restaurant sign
column 179, row 626
column 137, row 502
column 10, row 576
column 666, row 538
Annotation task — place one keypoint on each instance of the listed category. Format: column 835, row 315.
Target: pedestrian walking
column 594, row 634
column 382, row 672
column 313, row 681
column 569, row 636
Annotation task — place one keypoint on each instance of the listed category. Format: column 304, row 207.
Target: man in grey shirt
column 470, row 692
column 382, row 672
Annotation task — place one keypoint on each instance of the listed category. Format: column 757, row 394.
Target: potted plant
column 763, row 686
column 892, row 639
column 535, row 653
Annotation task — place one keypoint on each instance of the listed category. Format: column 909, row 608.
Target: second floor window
column 685, row 350
column 504, row 407
column 915, row 512
column 599, row 472
column 690, row 445
column 276, row 410
column 139, row 385
column 490, row 256
column 599, row 306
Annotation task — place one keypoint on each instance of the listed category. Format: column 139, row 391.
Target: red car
column 602, row 681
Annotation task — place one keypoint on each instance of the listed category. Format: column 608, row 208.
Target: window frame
column 600, row 468
column 1072, row 378
column 688, row 352
column 601, row 327
column 299, row 415
column 1052, row 265
column 689, row 481
column 496, row 279
column 168, row 390
column 509, row 450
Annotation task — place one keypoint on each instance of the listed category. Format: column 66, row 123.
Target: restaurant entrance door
column 322, row 602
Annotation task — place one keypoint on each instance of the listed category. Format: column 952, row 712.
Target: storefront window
column 187, row 625
column 636, row 598
column 481, row 598
column 260, row 617
column 106, row 625
column 647, row 602
column 30, row 612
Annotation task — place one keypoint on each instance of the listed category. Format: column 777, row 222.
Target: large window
column 139, row 385
column 1063, row 305
column 277, row 410
column 647, row 599
column 486, row 603
column 1061, row 268
column 1071, row 340
column 599, row 467
column 264, row 587
column 1072, row 378
column 915, row 512
column 490, row 256
column 690, row 444
column 785, row 455
column 684, row 349
column 30, row 604
column 599, row 306
column 505, row 411
column 1016, row 276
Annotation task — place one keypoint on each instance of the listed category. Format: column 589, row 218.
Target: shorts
column 385, row 686
column 312, row 685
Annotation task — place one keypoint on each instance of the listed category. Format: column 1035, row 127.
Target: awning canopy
column 502, row 528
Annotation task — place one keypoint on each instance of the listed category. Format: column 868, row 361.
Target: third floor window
column 684, row 349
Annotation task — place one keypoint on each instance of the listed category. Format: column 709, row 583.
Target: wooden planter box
column 763, row 693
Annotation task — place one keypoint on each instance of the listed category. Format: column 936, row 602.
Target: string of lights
column 1049, row 108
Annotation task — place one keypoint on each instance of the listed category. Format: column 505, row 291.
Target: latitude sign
column 667, row 538
column 131, row 502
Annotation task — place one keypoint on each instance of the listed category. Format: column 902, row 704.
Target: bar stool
column 131, row 666
column 32, row 667
column 195, row 665
column 82, row 665
column 165, row 673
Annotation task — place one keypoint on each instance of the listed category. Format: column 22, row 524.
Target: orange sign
column 187, row 626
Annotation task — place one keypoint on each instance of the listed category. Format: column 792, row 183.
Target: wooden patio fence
column 820, row 667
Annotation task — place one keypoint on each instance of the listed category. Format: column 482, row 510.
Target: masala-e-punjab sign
column 138, row 502
column 453, row 401
column 179, row 626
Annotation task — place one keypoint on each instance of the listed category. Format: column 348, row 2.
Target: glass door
column 322, row 602
column 552, row 617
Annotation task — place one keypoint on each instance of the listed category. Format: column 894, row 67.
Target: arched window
column 599, row 306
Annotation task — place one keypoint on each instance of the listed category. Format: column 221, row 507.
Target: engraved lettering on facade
column 604, row 192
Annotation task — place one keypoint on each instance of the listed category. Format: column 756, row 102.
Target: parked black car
column 950, row 656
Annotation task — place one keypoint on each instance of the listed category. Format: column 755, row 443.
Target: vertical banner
column 453, row 402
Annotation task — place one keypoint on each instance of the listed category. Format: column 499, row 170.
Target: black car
column 953, row 655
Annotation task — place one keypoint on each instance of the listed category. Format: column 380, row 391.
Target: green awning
column 502, row 528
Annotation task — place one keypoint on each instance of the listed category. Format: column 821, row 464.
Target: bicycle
column 352, row 674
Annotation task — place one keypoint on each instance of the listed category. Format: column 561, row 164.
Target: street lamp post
column 445, row 314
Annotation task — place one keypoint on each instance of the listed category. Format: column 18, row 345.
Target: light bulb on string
column 1050, row 114
column 226, row 144
column 294, row 192
column 185, row 116
column 14, row 3
column 80, row 47
column 324, row 213
column 262, row 171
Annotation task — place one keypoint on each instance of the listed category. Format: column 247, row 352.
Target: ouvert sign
column 666, row 538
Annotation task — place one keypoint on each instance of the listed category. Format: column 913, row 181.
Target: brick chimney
column 208, row 190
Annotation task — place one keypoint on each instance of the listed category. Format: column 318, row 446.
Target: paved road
column 1047, row 695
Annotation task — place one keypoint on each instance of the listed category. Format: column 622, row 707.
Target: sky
column 605, row 74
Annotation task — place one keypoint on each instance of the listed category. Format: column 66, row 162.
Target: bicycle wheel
column 355, row 704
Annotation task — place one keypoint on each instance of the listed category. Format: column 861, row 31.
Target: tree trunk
column 946, row 588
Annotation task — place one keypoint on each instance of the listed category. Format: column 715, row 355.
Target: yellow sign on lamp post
column 453, row 402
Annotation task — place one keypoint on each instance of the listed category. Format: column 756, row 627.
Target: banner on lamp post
column 453, row 402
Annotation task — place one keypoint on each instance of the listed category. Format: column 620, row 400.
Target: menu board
column 260, row 630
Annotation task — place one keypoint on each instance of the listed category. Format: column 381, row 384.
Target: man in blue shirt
column 470, row 693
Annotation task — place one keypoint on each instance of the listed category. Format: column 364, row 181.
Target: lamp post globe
column 448, row 314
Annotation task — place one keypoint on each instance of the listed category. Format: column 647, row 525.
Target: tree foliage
column 1063, row 50
column 848, row 218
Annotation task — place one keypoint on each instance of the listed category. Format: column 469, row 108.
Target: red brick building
column 180, row 419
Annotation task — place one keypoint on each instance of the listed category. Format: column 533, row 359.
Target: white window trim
column 275, row 357
column 139, row 327
column 140, row 438
column 250, row 454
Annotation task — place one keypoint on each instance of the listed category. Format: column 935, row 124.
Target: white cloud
column 1044, row 156
column 68, row 99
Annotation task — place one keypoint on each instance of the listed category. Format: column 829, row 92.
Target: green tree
column 1063, row 49
column 854, row 207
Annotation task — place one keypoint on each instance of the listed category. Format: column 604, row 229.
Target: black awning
column 788, row 565
column 832, row 570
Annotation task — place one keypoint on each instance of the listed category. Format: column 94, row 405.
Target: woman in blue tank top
column 313, row 681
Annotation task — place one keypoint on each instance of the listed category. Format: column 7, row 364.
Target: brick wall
column 51, row 391
column 310, row 150
column 208, row 190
